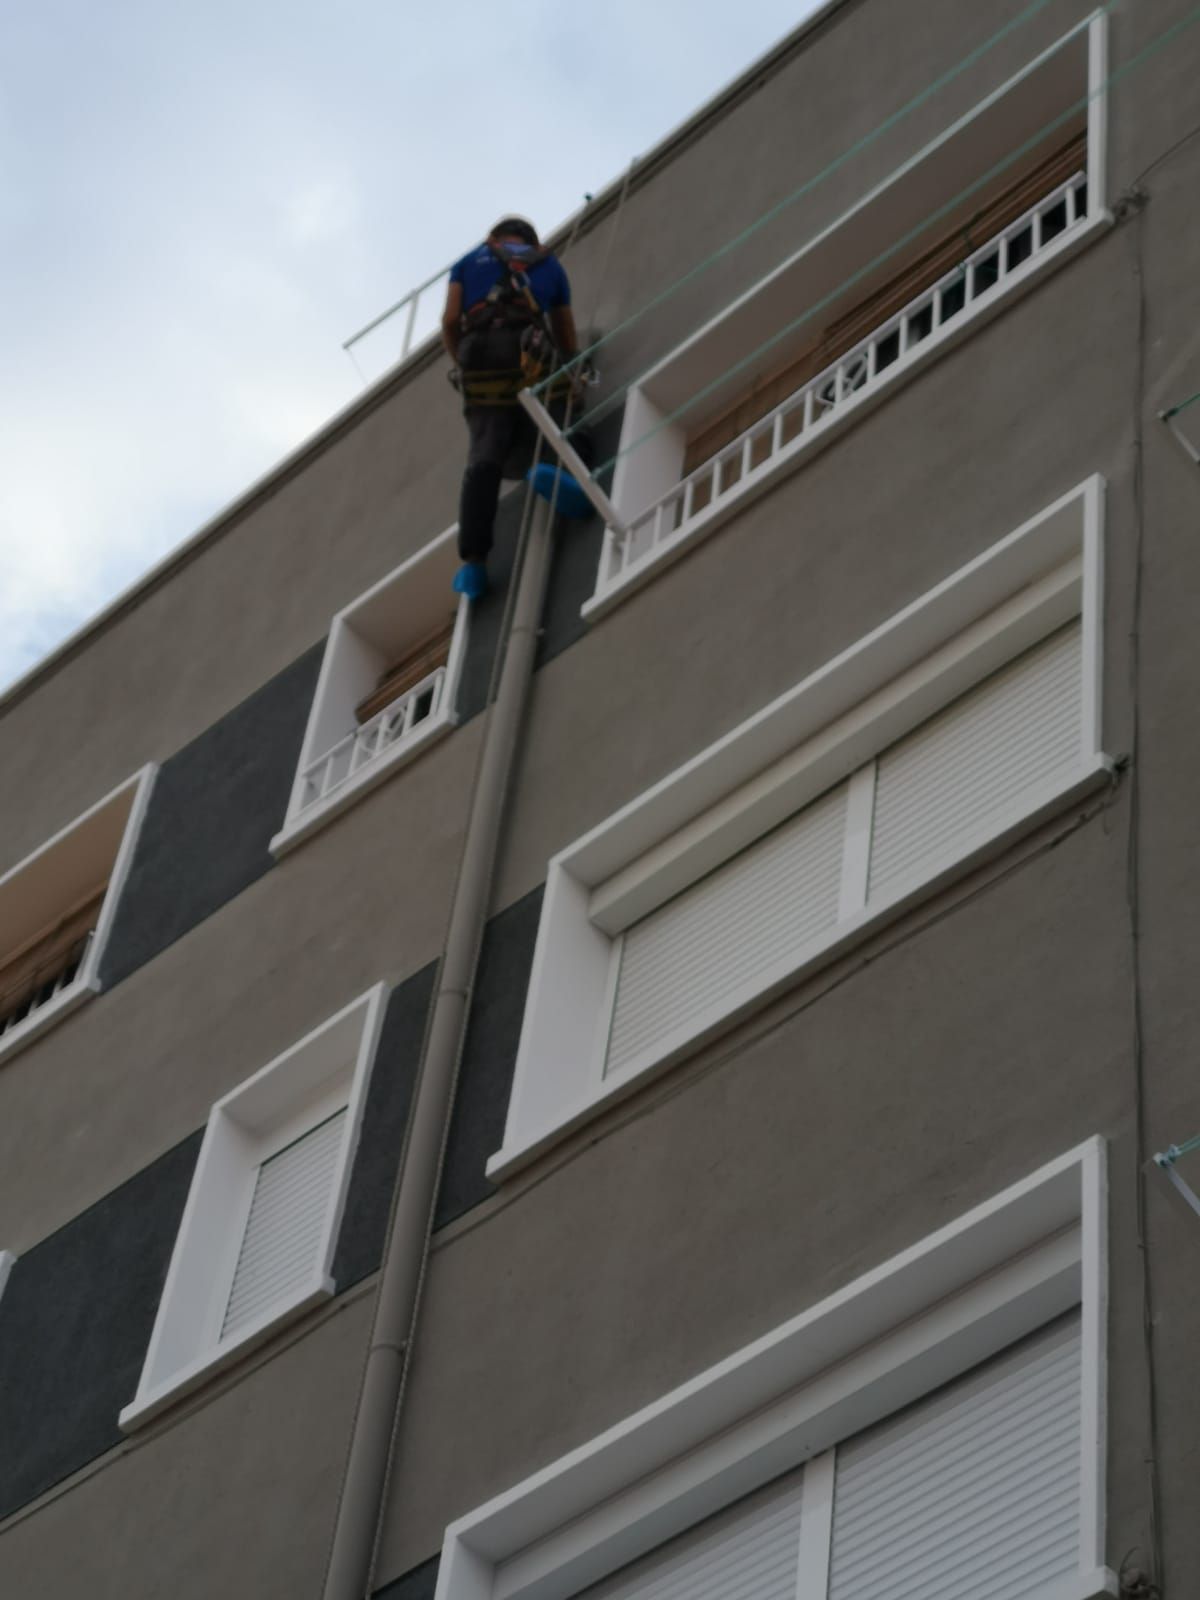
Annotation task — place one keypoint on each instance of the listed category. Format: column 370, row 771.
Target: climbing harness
column 511, row 306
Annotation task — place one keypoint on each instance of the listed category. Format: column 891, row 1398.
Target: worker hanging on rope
column 507, row 324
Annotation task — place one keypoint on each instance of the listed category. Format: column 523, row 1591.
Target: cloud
column 321, row 211
column 199, row 206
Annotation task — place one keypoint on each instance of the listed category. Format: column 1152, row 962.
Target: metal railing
column 868, row 365
column 44, row 987
column 387, row 728
column 411, row 302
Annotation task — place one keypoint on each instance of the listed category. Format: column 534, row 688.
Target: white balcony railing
column 869, row 365
column 390, row 727
column 46, row 988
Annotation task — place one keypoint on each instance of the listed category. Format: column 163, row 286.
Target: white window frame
column 835, row 722
column 648, row 476
column 960, row 1296
column 24, row 880
column 346, row 675
column 323, row 1073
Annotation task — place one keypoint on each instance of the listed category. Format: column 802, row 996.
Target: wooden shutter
column 749, row 1552
column 763, row 906
column 42, row 960
column 952, row 778
column 432, row 652
column 286, row 1224
column 912, row 279
column 972, row 1494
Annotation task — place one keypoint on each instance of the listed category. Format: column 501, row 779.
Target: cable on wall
column 826, row 172
column 1133, row 64
column 1133, row 897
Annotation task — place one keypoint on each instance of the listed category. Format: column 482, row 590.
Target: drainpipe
column 401, row 1276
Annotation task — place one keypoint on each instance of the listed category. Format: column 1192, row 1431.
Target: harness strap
column 499, row 314
column 492, row 386
column 500, row 386
column 510, row 303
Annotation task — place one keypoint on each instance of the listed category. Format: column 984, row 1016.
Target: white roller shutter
column 972, row 1494
column 955, row 775
column 693, row 953
column 749, row 1552
column 286, row 1224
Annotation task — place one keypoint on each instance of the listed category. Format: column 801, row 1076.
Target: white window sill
column 1088, row 778
column 190, row 1378
column 303, row 824
column 822, row 432
column 47, row 1016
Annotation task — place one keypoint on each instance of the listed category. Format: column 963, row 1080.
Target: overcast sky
column 198, row 203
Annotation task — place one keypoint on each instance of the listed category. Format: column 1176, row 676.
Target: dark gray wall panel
column 75, row 1322
column 577, row 558
column 485, row 1079
column 78, row 1310
column 215, row 807
column 488, row 613
column 418, row 1584
column 489, row 1055
column 572, row 580
column 360, row 1243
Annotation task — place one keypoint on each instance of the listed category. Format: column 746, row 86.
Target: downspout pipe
column 348, row 1574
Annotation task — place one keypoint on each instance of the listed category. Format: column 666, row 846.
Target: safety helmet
column 515, row 228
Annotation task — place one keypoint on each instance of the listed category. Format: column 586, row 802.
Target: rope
column 1133, row 64
column 602, row 277
column 1174, row 411
column 826, row 172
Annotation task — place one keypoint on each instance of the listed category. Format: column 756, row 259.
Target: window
column 928, row 293
column 56, row 908
column 960, row 1494
column 933, row 1429
column 965, row 719
column 387, row 687
column 256, row 1242
column 1016, row 185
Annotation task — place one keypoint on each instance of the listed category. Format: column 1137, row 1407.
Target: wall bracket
column 1167, row 1162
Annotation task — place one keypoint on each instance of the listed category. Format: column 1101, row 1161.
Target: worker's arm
column 452, row 320
column 562, row 325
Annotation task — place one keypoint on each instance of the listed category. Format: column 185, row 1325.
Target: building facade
column 797, row 1232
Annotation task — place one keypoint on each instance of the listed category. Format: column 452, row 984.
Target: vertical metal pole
column 402, row 1273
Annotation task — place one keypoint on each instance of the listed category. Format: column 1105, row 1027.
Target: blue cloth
column 480, row 270
column 560, row 488
column 471, row 579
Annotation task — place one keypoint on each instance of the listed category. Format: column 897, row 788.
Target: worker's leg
column 491, row 430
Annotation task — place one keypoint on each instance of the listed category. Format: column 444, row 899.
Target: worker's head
column 517, row 229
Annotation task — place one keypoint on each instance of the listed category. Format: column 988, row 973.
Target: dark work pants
column 501, row 442
column 499, row 436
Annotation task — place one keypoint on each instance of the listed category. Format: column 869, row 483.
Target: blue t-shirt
column 479, row 271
